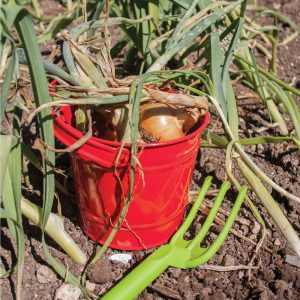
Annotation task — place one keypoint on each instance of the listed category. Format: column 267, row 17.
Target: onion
column 161, row 122
column 165, row 122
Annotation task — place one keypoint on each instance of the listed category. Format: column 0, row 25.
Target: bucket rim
column 62, row 123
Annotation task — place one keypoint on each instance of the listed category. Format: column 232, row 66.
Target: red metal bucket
column 160, row 190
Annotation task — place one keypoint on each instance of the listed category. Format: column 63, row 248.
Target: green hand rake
column 179, row 253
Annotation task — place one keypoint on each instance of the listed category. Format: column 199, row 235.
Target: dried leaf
column 41, row 146
column 179, row 99
column 25, row 97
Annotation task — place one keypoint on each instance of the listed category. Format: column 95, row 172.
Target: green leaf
column 55, row 229
column 265, row 140
column 5, row 142
column 274, row 78
column 12, row 203
column 227, row 87
column 26, row 32
column 9, row 203
column 52, row 31
column 29, row 154
column 233, row 44
column 183, row 3
column 49, row 68
column 191, row 35
column 180, row 25
column 271, row 206
column 215, row 66
column 20, row 244
column 6, row 83
column 289, row 102
column 263, row 92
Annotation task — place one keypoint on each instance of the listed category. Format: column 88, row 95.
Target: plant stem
column 271, row 206
column 271, row 76
column 262, row 175
column 248, row 200
column 55, row 229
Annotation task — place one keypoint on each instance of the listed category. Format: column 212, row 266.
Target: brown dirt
column 274, row 279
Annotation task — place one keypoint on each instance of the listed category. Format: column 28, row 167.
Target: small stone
column 100, row 272
column 175, row 272
column 277, row 242
column 45, row 275
column 67, row 292
column 245, row 229
column 90, row 286
column 213, row 236
column 187, row 279
column 32, row 129
column 229, row 260
column 255, row 229
column 241, row 274
column 260, row 148
column 200, row 275
column 121, row 257
column 293, row 260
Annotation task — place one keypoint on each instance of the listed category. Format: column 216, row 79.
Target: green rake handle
column 140, row 277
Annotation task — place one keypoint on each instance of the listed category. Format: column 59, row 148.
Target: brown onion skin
column 160, row 120
column 188, row 118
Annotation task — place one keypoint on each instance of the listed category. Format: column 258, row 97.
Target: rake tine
column 211, row 216
column 211, row 251
column 190, row 218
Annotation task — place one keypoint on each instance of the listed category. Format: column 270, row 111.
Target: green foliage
column 11, row 183
column 157, row 35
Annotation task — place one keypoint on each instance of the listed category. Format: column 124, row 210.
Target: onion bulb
column 165, row 122
column 157, row 121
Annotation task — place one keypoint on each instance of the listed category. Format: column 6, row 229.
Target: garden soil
column 271, row 276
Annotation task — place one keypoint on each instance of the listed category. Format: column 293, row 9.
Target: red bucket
column 160, row 190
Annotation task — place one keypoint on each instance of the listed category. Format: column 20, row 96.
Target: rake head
column 179, row 252
column 195, row 254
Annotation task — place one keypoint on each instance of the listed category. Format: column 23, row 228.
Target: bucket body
column 160, row 191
